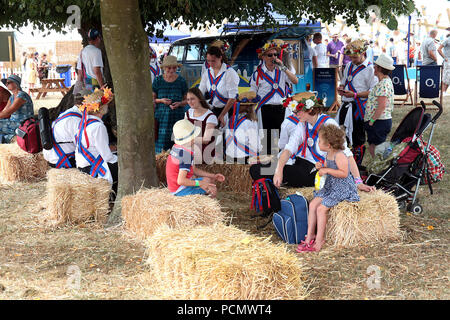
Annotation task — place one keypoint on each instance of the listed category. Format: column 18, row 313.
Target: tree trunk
column 127, row 49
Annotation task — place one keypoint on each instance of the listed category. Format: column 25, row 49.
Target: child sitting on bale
column 183, row 178
column 339, row 186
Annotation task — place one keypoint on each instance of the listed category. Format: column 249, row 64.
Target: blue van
column 242, row 56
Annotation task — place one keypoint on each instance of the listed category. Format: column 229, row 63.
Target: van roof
column 291, row 32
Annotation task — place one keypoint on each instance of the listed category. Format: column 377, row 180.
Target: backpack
column 265, row 197
column 434, row 170
column 28, row 137
column 291, row 222
column 45, row 129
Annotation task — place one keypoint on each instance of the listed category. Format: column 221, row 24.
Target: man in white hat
column 183, row 178
column 358, row 79
column 380, row 104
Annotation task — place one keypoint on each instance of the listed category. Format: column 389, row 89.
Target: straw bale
column 74, row 197
column 151, row 208
column 375, row 218
column 161, row 159
column 16, row 165
column 237, row 177
column 222, row 262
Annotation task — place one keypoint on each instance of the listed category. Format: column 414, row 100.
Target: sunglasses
column 270, row 55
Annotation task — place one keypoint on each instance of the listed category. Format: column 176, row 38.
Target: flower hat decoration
column 95, row 100
column 277, row 44
column 303, row 101
column 222, row 44
column 356, row 48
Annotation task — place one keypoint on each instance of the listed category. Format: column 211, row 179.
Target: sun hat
column 16, row 79
column 385, row 62
column 276, row 44
column 170, row 61
column 2, row 84
column 185, row 131
column 248, row 98
column 356, row 48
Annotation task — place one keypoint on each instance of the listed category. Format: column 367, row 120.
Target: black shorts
column 378, row 132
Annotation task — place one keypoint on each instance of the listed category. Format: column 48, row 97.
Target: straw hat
column 96, row 100
column 170, row 61
column 184, row 131
column 276, row 44
column 385, row 62
column 248, row 98
column 356, row 48
column 303, row 101
column 222, row 45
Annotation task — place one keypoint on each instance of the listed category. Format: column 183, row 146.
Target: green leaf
column 392, row 23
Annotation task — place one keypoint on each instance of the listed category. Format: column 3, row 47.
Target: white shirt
column 246, row 134
column 287, row 129
column 322, row 59
column 296, row 139
column 92, row 57
column 64, row 131
column 98, row 145
column 263, row 87
column 365, row 80
column 227, row 87
column 211, row 120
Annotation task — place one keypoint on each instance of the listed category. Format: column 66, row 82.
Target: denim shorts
column 190, row 190
column 378, row 132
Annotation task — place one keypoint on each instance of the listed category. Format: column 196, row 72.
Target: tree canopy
column 51, row 14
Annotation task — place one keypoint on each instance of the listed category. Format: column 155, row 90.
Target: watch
column 283, row 68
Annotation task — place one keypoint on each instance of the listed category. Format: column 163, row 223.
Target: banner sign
column 398, row 80
column 430, row 81
column 325, row 84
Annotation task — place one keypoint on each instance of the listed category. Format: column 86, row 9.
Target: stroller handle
column 437, row 104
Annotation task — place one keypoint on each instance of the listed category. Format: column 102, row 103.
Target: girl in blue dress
column 339, row 186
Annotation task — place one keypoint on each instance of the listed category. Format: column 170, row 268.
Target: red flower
column 300, row 106
column 104, row 100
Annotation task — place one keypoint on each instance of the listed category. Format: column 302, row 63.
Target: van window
column 193, row 52
column 178, row 51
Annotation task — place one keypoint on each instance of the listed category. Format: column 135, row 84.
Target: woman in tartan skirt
column 169, row 92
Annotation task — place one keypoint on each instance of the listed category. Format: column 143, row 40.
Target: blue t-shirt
column 26, row 110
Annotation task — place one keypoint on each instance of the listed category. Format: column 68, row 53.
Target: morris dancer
column 269, row 81
column 357, row 82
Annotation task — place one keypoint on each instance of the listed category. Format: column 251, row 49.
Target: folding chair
column 400, row 87
column 428, row 84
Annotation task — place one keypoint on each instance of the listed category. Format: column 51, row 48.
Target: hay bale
column 237, row 177
column 17, row 165
column 161, row 159
column 307, row 192
column 375, row 218
column 151, row 208
column 74, row 197
column 222, row 262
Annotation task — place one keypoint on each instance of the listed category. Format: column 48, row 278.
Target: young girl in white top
column 242, row 138
column 200, row 115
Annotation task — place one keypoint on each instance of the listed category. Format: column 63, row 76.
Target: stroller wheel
column 415, row 208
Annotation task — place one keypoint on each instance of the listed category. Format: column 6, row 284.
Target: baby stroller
column 408, row 167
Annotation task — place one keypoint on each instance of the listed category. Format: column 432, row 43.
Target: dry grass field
column 91, row 262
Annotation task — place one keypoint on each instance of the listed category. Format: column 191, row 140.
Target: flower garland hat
column 277, row 44
column 356, row 48
column 98, row 98
column 303, row 101
column 221, row 44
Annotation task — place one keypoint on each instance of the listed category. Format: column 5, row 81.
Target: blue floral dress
column 164, row 115
column 9, row 126
column 336, row 190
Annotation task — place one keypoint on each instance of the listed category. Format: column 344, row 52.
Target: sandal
column 303, row 245
column 307, row 249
